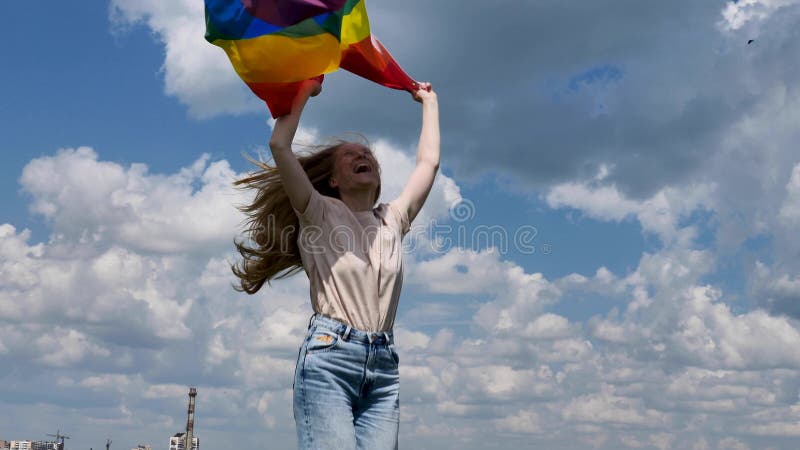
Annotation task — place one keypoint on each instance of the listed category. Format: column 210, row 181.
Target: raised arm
column 295, row 180
column 421, row 179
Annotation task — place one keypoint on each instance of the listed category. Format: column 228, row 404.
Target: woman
column 346, row 384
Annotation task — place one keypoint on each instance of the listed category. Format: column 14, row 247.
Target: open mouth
column 362, row 168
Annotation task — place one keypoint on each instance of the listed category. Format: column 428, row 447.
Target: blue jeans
column 346, row 388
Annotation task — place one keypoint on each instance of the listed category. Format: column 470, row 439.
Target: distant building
column 5, row 445
column 142, row 447
column 20, row 445
column 44, row 445
column 176, row 442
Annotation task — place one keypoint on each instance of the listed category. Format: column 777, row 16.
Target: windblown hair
column 272, row 227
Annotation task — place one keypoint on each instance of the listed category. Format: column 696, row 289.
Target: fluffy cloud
column 94, row 201
column 776, row 290
column 522, row 422
column 738, row 13
column 677, row 354
column 195, row 72
column 790, row 209
column 610, row 409
column 643, row 98
column 130, row 297
column 660, row 214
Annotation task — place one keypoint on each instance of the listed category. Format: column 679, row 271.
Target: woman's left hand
column 424, row 93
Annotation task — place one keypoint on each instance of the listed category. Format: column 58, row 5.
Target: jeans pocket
column 300, row 358
column 395, row 355
column 322, row 340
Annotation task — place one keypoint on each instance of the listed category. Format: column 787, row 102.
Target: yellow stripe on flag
column 355, row 26
column 271, row 58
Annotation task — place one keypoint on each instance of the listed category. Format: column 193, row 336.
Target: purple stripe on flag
column 284, row 13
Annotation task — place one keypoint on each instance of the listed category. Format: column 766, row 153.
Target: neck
column 358, row 200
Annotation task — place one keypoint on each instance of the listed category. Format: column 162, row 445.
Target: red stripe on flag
column 370, row 59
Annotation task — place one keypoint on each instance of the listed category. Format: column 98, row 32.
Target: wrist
column 300, row 101
column 430, row 103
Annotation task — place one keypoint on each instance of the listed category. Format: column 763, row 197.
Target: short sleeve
column 315, row 210
column 400, row 215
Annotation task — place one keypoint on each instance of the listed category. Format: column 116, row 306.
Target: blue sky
column 653, row 154
column 109, row 86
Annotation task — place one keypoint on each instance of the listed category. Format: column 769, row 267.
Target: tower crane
column 59, row 437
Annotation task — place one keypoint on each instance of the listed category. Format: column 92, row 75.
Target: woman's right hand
column 313, row 86
column 424, row 93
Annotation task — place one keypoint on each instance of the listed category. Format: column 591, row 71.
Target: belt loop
column 346, row 334
column 312, row 320
column 386, row 336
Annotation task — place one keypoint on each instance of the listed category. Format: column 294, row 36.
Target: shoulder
column 395, row 214
column 320, row 208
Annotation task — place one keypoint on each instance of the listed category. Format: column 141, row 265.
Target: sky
column 635, row 164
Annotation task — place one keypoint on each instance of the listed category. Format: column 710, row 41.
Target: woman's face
column 355, row 167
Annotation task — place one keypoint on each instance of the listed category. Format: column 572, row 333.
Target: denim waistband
column 349, row 333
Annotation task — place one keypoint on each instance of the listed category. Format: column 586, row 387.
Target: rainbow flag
column 276, row 44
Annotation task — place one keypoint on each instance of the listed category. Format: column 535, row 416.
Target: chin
column 368, row 180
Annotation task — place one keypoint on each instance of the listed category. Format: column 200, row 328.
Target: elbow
column 433, row 164
column 277, row 145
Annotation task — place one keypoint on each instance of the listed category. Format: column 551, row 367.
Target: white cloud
column 521, row 422
column 660, row 214
column 789, row 429
column 690, row 321
column 790, row 209
column 195, row 71
column 136, row 273
column 672, row 319
column 96, row 201
column 107, row 382
column 605, row 407
column 61, row 347
column 662, row 441
column 92, row 287
column 732, row 444
column 548, row 326
column 604, row 202
column 136, row 276
column 675, row 357
column 738, row 13
column 709, row 330
column 776, row 288
column 516, row 297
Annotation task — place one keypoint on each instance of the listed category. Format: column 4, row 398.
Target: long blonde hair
column 270, row 250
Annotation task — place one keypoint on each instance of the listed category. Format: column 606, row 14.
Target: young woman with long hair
column 316, row 213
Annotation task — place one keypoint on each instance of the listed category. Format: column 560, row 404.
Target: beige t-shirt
column 354, row 276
